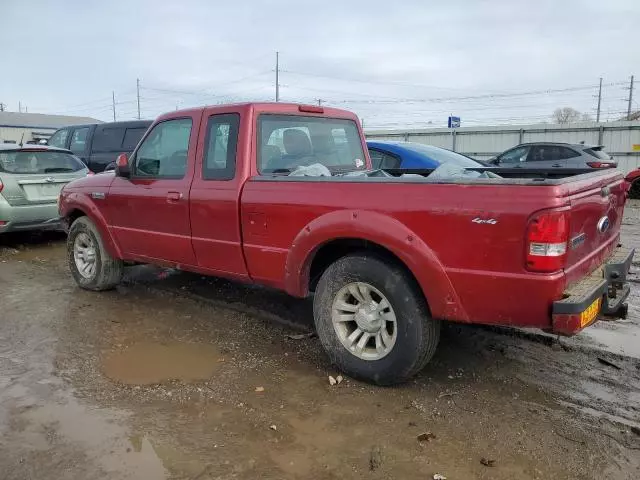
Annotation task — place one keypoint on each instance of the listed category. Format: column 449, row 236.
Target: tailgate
column 597, row 204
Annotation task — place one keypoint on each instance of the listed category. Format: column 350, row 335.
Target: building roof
column 41, row 120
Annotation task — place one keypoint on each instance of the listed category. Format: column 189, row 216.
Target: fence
column 620, row 139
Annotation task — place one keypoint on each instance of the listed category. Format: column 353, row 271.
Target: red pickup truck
column 230, row 191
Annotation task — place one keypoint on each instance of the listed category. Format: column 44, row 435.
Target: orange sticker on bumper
column 590, row 313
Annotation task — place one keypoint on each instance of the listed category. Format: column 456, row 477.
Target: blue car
column 388, row 155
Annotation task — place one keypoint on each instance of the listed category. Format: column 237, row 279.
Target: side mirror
column 494, row 161
column 122, row 166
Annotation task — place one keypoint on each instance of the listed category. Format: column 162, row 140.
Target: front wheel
column 91, row 265
column 373, row 320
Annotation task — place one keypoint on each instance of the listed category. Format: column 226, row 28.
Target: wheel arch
column 340, row 233
column 75, row 210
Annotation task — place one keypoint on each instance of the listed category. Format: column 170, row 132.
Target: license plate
column 591, row 312
column 44, row 191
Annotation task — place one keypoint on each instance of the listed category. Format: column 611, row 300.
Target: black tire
column 417, row 333
column 634, row 190
column 108, row 270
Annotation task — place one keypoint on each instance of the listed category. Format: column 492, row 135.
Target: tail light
column 547, row 236
column 602, row 164
column 1, row 185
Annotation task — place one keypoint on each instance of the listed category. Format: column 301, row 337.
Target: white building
column 18, row 127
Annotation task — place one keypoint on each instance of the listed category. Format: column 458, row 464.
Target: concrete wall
column 621, row 139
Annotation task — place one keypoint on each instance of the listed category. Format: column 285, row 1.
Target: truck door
column 215, row 197
column 149, row 212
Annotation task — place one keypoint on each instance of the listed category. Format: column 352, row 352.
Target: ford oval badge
column 603, row 224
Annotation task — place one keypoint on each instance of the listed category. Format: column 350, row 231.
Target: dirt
column 178, row 376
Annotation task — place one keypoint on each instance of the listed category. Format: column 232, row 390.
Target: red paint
column 268, row 232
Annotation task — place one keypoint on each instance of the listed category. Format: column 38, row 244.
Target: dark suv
column 555, row 155
column 99, row 144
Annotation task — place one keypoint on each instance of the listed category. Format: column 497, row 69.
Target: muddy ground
column 178, row 376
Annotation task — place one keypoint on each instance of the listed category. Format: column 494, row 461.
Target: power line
column 204, row 92
column 369, row 81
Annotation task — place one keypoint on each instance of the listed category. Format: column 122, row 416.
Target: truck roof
column 271, row 107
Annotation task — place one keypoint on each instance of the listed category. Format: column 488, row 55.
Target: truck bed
column 470, row 231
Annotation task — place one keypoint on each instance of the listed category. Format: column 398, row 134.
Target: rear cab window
column 38, row 162
column 288, row 142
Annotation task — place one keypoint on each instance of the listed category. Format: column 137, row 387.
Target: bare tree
column 565, row 115
column 585, row 117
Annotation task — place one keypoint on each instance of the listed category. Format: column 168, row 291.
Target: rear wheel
column 373, row 320
column 91, row 265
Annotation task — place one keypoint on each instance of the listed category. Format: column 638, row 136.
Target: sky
column 402, row 64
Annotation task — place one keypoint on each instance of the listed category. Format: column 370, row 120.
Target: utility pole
column 1, row 107
column 277, row 76
column 138, row 90
column 599, row 101
column 630, row 99
column 19, row 107
column 113, row 104
column 320, row 101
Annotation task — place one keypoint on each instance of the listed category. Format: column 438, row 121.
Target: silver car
column 555, row 155
column 31, row 177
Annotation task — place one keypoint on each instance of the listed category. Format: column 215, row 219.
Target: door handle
column 173, row 197
column 556, row 165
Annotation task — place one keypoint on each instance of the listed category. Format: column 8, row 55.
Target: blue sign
column 454, row 122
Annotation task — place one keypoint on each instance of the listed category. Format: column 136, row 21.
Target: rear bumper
column 51, row 224
column 28, row 217
column 601, row 293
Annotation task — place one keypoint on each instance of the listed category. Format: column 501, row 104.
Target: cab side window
column 59, row 139
column 79, row 140
column 221, row 146
column 517, row 155
column 163, row 153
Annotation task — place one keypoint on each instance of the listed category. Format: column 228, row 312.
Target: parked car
column 30, row 181
column 221, row 191
column 99, row 144
column 411, row 155
column 555, row 155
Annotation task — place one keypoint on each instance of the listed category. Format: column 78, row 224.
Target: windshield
column 26, row 162
column 287, row 142
column 442, row 155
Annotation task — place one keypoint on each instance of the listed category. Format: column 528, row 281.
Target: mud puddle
column 151, row 363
